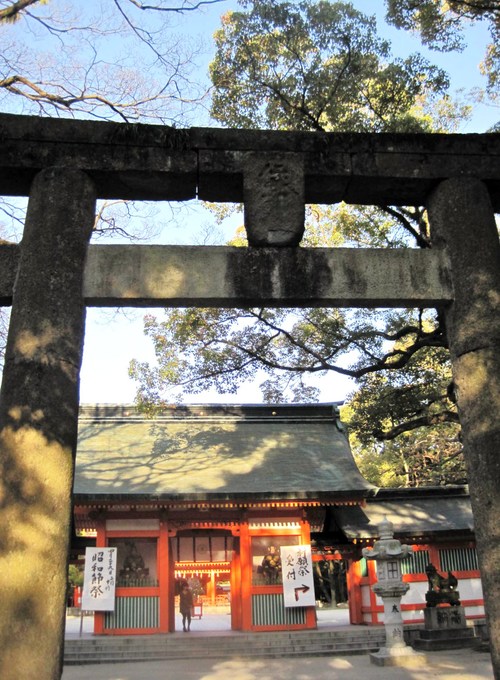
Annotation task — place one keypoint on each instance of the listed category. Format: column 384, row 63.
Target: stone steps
column 177, row 646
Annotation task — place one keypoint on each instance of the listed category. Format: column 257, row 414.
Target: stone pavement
column 454, row 665
column 463, row 664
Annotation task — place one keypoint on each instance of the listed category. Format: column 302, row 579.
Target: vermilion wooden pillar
column 372, row 577
column 166, row 585
column 354, row 590
column 236, row 598
column 246, row 577
column 305, row 539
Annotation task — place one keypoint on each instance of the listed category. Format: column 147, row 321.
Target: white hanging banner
column 298, row 579
column 99, row 579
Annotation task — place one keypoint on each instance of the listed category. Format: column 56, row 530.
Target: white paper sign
column 99, row 579
column 298, row 579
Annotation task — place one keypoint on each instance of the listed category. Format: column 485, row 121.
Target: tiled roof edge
column 211, row 412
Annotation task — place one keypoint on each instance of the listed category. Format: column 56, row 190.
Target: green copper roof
column 203, row 452
column 414, row 512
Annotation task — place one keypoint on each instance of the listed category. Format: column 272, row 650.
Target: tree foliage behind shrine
column 321, row 66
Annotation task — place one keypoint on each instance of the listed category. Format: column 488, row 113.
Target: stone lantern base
column 398, row 656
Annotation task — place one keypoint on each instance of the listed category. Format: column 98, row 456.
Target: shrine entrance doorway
column 330, row 579
column 202, row 558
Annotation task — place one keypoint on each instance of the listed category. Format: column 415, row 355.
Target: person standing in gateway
column 186, row 606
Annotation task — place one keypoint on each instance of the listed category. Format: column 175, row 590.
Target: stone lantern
column 388, row 553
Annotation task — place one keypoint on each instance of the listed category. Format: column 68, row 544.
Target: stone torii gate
column 50, row 277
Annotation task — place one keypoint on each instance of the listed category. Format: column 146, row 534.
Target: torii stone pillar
column 38, row 423
column 462, row 221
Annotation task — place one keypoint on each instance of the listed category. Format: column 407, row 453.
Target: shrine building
column 211, row 493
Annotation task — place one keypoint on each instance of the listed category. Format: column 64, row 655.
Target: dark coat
column 186, row 601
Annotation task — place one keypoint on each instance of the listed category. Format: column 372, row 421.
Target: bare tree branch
column 185, row 7
column 13, row 11
column 405, row 219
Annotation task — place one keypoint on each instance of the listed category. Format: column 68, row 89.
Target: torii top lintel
column 152, row 162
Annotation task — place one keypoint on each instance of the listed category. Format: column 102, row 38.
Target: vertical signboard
column 298, row 579
column 99, row 579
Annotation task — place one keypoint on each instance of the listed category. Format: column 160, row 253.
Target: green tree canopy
column 441, row 26
column 316, row 66
column 404, row 424
column 224, row 348
column 319, row 66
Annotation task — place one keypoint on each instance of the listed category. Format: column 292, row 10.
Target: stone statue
column 271, row 565
column 133, row 564
column 442, row 589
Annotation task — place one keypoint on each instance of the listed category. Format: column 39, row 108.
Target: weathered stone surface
column 462, row 221
column 282, row 277
column 160, row 163
column 445, row 628
column 39, row 396
column 406, row 659
column 125, row 161
column 176, row 276
column 444, row 618
column 273, row 194
column 39, row 401
column 9, row 262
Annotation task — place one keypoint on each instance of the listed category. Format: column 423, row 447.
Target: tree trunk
column 462, row 222
column 39, row 401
